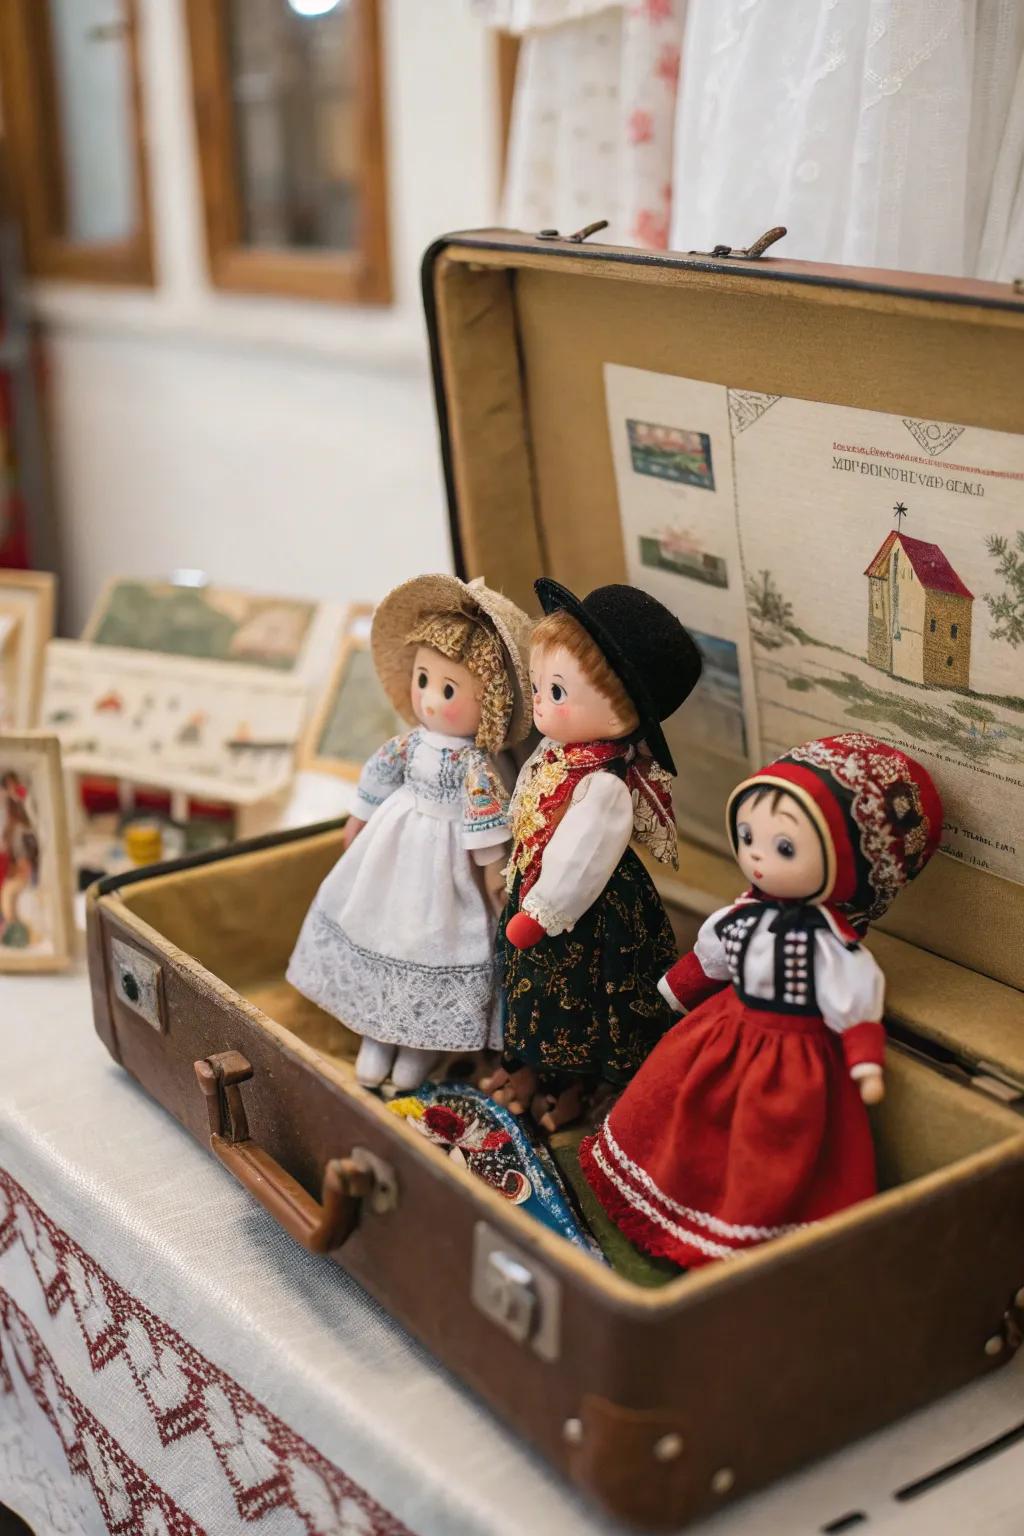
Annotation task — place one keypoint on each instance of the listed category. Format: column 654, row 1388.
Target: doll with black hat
column 585, row 937
column 748, row 1121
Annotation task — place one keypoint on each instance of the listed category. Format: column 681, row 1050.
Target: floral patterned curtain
column 594, row 114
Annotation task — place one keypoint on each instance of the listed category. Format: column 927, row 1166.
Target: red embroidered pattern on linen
column 130, row 1501
column 266, row 1465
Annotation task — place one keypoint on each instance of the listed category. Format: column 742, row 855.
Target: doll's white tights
column 407, row 1066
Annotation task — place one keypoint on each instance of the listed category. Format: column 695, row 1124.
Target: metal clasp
column 510, row 1288
column 138, row 983
column 580, row 235
column 746, row 252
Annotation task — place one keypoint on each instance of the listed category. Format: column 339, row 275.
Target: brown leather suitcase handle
column 320, row 1226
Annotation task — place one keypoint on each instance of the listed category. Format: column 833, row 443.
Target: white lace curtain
column 882, row 132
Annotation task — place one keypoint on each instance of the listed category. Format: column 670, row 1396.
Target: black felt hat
column 655, row 659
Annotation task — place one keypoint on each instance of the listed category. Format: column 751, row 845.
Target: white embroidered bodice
column 448, row 777
column 796, row 972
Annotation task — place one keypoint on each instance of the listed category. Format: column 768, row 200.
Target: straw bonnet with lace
column 470, row 623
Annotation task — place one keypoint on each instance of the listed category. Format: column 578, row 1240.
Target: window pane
column 295, row 93
column 92, row 71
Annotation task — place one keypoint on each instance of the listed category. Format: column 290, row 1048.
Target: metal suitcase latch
column 751, row 252
column 137, row 983
column 510, row 1288
column 507, row 1295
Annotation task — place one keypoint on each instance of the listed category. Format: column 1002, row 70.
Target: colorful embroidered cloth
column 491, row 1142
column 546, row 787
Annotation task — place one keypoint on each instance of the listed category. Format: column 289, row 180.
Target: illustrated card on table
column 867, row 568
column 26, row 624
column 353, row 717
column 222, row 731
column 206, row 622
column 35, row 861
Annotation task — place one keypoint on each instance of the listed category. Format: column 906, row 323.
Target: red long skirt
column 741, row 1125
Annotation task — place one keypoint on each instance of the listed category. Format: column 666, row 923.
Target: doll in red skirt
column 747, row 1121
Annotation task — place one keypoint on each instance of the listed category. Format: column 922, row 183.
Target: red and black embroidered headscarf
column 876, row 810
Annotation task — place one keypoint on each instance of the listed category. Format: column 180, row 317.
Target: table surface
column 170, row 1360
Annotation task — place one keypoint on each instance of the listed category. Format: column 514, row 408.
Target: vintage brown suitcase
column 660, row 1403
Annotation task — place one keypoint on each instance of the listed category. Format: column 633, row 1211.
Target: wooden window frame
column 360, row 276
column 31, row 110
column 507, row 65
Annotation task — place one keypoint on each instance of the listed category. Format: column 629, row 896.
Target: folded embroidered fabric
column 491, row 1142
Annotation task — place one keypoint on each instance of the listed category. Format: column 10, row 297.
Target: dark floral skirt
column 586, row 1003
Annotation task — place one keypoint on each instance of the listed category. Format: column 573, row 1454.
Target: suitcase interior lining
column 524, row 338
column 926, row 1122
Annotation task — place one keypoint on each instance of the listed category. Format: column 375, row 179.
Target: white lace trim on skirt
column 400, row 1002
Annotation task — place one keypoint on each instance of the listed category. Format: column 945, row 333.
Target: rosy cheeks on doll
column 566, row 705
column 445, row 695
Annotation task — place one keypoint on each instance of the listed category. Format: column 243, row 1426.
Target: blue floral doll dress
column 400, row 936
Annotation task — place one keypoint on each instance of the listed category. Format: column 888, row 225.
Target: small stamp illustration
column 671, row 453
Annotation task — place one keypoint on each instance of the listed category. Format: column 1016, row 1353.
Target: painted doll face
column 778, row 847
column 445, row 695
column 566, row 706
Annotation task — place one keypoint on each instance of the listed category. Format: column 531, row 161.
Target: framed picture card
column 353, row 718
column 26, row 624
column 175, row 618
column 356, row 621
column 36, row 926
column 212, row 729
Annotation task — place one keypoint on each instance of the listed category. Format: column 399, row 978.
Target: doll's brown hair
column 561, row 630
column 479, row 650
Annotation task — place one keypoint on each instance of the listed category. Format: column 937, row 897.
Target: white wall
column 279, row 445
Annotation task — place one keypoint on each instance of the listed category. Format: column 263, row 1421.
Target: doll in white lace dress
column 399, row 941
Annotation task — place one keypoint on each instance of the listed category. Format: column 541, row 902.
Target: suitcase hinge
column 746, row 252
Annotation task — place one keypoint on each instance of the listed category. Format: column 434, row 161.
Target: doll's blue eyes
column 783, row 846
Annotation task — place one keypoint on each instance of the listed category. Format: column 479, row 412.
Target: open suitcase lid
column 698, row 425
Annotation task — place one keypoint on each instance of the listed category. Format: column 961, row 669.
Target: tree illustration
column 1007, row 607
column 976, row 714
column 765, row 603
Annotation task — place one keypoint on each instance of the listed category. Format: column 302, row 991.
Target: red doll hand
column 524, row 931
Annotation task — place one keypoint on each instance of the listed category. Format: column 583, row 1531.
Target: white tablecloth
column 171, row 1363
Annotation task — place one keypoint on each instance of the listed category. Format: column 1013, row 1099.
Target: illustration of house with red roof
column 919, row 614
